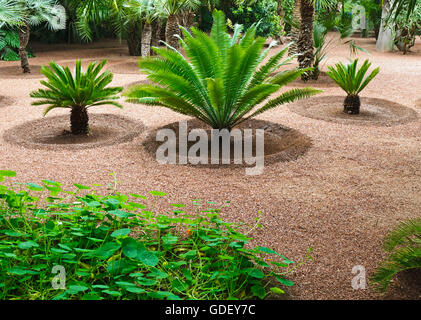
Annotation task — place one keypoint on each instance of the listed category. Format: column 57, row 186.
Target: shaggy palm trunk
column 172, row 29
column 352, row 104
column 306, row 41
column 24, row 33
column 79, row 121
column 146, row 39
column 156, row 30
column 189, row 20
column 134, row 40
column 295, row 28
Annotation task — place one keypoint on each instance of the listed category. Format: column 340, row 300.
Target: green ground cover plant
column 115, row 247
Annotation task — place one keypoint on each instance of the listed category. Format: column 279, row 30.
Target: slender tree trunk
column 134, row 40
column 295, row 28
column 189, row 20
column 24, row 33
column 352, row 104
column 306, row 41
column 146, row 39
column 282, row 23
column 156, row 30
column 79, row 121
column 172, row 29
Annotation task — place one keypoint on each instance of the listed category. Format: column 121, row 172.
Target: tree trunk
column 281, row 14
column 24, row 33
column 385, row 41
column 79, row 121
column 189, row 20
column 172, row 29
column 134, row 40
column 295, row 28
column 146, row 39
column 306, row 41
column 352, row 104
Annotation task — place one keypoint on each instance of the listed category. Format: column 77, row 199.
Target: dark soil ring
column 322, row 82
column 281, row 144
column 373, row 112
column 5, row 101
column 125, row 68
column 13, row 72
column 418, row 103
column 53, row 133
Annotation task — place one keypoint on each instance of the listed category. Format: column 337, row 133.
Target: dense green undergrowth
column 114, row 247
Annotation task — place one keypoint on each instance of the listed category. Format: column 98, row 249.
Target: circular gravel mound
column 125, row 68
column 373, row 112
column 53, row 133
column 281, row 144
column 13, row 72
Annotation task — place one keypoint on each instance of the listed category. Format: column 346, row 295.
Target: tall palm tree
column 172, row 10
column 295, row 27
column 32, row 13
column 305, row 43
column 146, row 12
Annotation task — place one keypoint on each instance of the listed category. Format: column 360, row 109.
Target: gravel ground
column 342, row 197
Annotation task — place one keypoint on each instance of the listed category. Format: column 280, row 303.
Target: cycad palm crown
column 219, row 81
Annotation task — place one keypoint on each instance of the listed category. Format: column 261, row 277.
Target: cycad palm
column 352, row 80
column 78, row 92
column 219, row 81
column 404, row 246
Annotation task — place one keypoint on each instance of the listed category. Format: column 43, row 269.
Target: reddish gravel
column 341, row 197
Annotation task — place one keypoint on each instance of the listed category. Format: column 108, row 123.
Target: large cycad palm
column 219, row 82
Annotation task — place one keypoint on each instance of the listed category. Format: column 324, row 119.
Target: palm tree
column 295, row 27
column 77, row 92
column 31, row 13
column 9, row 13
column 146, row 12
column 305, row 41
column 219, row 81
column 172, row 10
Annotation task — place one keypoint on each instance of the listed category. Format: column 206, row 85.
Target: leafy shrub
column 9, row 46
column 78, row 91
column 407, row 28
column 113, row 247
column 218, row 82
column 352, row 81
column 264, row 11
column 404, row 247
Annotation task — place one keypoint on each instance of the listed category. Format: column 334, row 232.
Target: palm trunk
column 134, row 40
column 79, row 121
column 282, row 25
column 306, row 41
column 189, row 21
column 295, row 29
column 24, row 33
column 352, row 104
column 172, row 29
column 146, row 39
